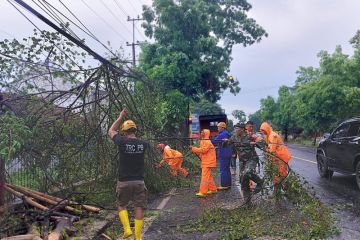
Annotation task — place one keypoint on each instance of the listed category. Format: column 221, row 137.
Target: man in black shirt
column 130, row 186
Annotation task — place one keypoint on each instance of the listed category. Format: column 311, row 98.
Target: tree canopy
column 239, row 115
column 192, row 46
column 322, row 97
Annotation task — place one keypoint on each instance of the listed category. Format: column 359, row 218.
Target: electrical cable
column 102, row 19
column 127, row 15
column 88, row 32
column 112, row 13
column 132, row 6
column 9, row 1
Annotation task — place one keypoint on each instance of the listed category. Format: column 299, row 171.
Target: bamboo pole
column 27, row 199
column 44, row 199
column 86, row 207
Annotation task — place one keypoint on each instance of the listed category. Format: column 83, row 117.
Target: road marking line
column 159, row 207
column 165, row 200
column 305, row 160
column 237, row 177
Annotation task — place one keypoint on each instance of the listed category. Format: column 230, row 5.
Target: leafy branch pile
column 296, row 214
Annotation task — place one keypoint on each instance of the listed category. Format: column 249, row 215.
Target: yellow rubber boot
column 124, row 219
column 138, row 228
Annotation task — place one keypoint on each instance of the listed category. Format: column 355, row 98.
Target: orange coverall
column 174, row 159
column 276, row 146
column 207, row 154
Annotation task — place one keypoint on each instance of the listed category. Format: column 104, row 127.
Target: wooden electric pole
column 133, row 44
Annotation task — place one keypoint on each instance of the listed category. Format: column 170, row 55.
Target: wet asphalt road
column 340, row 192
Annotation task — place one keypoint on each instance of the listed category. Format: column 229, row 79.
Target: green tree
column 268, row 108
column 256, row 119
column 333, row 97
column 205, row 107
column 171, row 111
column 239, row 115
column 322, row 97
column 13, row 134
column 306, row 75
column 193, row 44
column 283, row 118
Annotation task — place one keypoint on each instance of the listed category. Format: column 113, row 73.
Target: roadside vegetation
column 321, row 98
column 295, row 213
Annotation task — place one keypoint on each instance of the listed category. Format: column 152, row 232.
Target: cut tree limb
column 42, row 198
column 60, row 226
column 27, row 199
column 84, row 206
column 23, row 237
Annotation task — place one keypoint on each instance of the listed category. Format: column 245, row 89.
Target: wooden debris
column 103, row 235
column 23, row 237
column 60, row 226
column 27, row 199
column 44, row 199
column 66, row 202
column 48, row 213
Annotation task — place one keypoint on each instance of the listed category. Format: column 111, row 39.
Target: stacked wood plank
column 62, row 211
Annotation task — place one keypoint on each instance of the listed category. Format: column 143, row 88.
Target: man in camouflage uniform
column 244, row 144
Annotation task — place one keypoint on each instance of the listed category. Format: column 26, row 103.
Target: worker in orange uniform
column 174, row 159
column 276, row 147
column 207, row 154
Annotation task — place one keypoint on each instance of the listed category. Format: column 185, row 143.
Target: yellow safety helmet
column 127, row 125
column 222, row 125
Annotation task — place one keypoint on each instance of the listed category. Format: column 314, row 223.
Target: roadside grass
column 296, row 214
column 309, row 142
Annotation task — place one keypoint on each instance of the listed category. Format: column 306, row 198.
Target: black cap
column 240, row 125
column 249, row 123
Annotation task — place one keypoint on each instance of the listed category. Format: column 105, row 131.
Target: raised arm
column 115, row 126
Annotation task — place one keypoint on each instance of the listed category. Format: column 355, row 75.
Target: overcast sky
column 298, row 30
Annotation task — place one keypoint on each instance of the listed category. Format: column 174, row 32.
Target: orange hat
column 128, row 124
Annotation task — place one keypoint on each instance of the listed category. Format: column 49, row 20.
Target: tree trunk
column 2, row 182
column 314, row 142
column 286, row 132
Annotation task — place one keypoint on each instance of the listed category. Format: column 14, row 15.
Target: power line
column 115, row 69
column 133, row 44
column 132, row 6
column 88, row 32
column 41, row 31
column 104, row 20
column 77, row 19
column 119, row 6
column 56, row 18
column 127, row 15
column 111, row 12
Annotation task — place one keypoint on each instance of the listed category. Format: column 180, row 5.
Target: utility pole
column 133, row 44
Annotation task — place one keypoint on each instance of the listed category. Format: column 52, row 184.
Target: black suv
column 340, row 150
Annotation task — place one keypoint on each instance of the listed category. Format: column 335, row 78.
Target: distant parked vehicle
column 340, row 150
